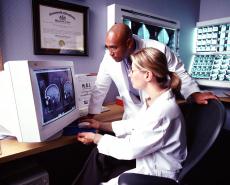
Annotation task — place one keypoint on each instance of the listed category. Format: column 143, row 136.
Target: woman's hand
column 86, row 137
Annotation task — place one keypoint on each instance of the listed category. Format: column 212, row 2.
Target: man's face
column 118, row 49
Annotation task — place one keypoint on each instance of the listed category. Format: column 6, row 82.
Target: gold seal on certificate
column 61, row 43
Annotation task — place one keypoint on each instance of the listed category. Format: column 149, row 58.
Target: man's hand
column 202, row 97
column 88, row 116
column 92, row 123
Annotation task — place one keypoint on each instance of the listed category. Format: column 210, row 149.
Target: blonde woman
column 153, row 142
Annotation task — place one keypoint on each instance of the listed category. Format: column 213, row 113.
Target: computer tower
column 24, row 174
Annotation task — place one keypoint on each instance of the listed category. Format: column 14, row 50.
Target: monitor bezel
column 48, row 130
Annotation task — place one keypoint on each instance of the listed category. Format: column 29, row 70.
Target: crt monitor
column 37, row 99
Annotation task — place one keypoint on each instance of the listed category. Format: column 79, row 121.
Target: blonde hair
column 155, row 61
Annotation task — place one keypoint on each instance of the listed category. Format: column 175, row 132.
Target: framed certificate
column 60, row 28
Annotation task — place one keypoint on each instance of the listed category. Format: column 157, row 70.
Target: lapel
column 126, row 87
column 124, row 75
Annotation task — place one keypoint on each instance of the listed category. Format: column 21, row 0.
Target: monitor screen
column 56, row 93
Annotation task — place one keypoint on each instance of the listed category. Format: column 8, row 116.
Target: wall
column 213, row 9
column 17, row 31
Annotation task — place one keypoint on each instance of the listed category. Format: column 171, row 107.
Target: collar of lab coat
column 167, row 95
column 139, row 43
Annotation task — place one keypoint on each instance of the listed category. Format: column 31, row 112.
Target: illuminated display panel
column 146, row 25
column 210, row 64
column 167, row 36
column 213, row 38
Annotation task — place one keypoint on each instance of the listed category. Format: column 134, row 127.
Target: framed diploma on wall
column 1, row 60
column 60, row 28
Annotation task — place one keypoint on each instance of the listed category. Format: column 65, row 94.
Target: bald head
column 119, row 41
column 121, row 31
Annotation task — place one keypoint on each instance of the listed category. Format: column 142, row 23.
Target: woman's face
column 137, row 77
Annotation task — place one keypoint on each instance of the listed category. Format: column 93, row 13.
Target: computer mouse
column 83, row 124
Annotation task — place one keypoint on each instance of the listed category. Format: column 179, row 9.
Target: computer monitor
column 37, row 99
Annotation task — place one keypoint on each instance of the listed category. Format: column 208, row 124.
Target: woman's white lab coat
column 155, row 138
column 111, row 70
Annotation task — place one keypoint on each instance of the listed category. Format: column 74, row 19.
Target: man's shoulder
column 108, row 59
column 154, row 43
column 143, row 43
column 109, row 62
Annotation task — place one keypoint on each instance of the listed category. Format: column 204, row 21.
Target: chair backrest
column 203, row 124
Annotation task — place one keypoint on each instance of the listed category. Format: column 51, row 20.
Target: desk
column 11, row 149
column 225, row 99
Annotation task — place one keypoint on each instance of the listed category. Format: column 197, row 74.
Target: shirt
column 132, row 91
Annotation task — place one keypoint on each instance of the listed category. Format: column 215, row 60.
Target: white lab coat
column 155, row 138
column 111, row 70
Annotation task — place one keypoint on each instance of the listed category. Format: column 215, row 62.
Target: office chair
column 203, row 124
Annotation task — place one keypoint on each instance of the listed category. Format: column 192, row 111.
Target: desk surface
column 225, row 99
column 11, row 149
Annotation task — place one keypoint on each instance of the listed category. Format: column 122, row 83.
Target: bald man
column 120, row 44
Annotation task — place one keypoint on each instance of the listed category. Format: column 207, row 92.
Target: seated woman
column 153, row 142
